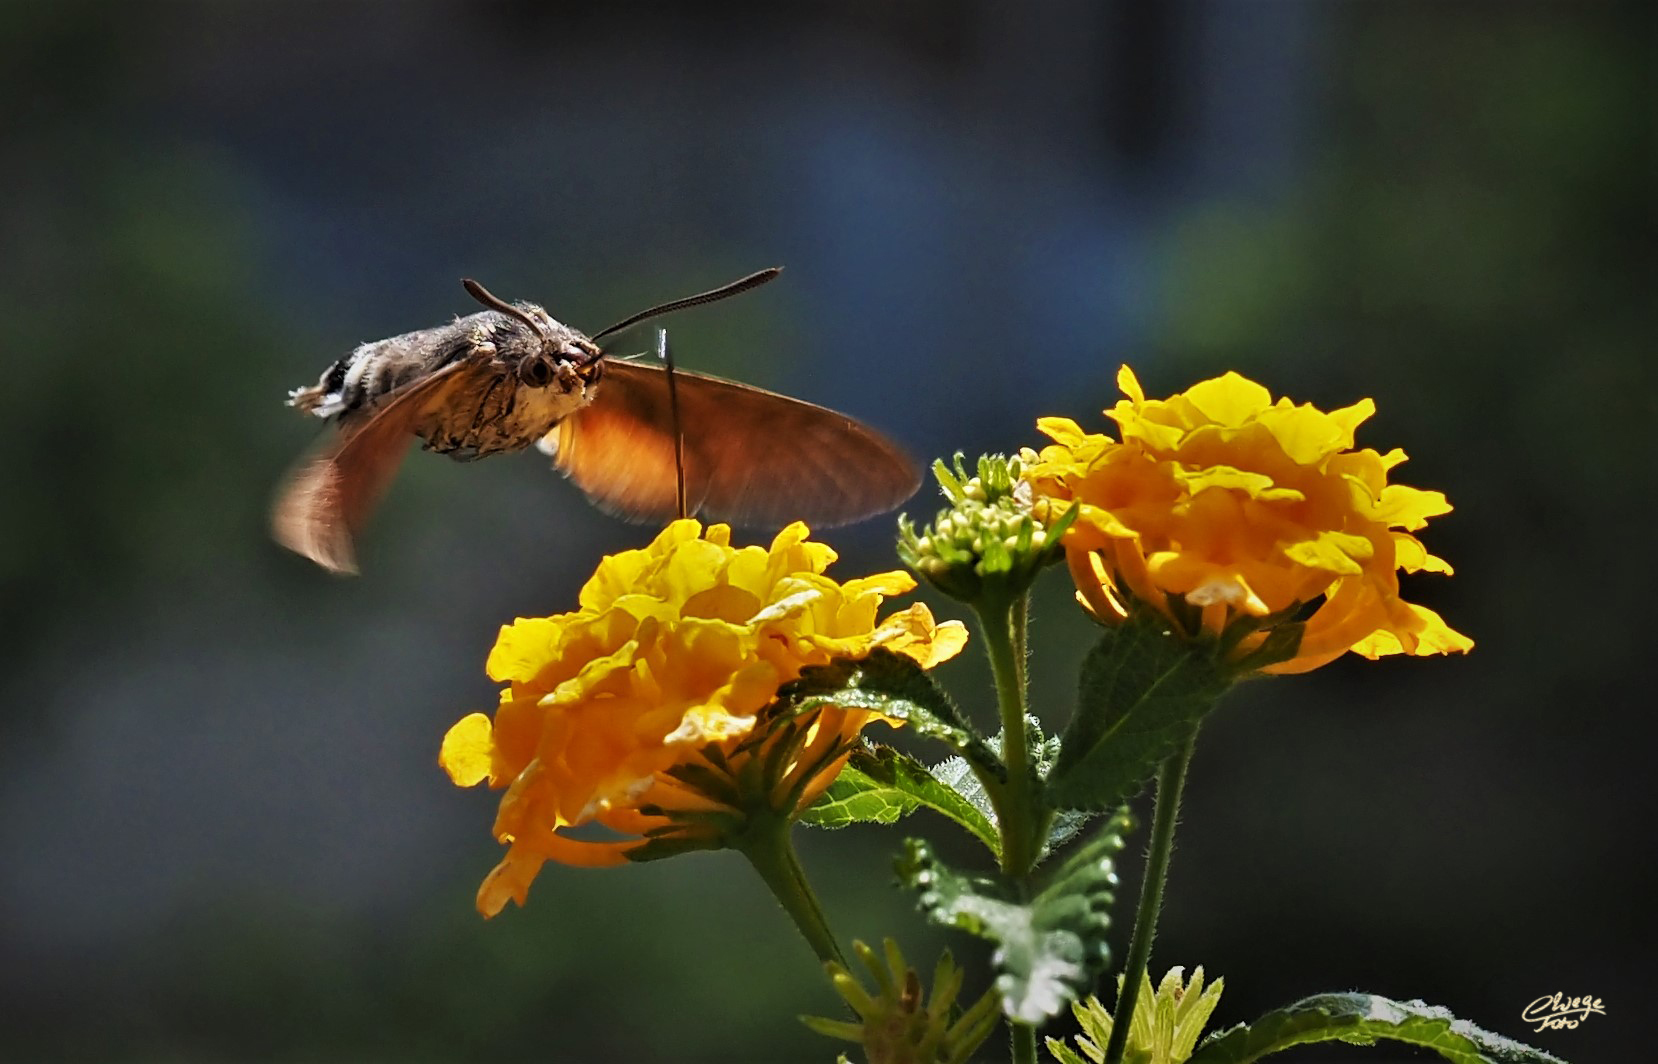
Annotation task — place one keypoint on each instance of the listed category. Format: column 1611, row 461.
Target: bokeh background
column 223, row 835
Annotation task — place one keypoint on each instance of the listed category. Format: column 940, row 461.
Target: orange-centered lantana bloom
column 678, row 647
column 1250, row 511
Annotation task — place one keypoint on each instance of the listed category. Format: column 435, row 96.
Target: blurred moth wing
column 751, row 457
column 327, row 498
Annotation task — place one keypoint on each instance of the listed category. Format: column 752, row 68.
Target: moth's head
column 536, row 345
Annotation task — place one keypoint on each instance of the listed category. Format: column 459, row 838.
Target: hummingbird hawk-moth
column 642, row 441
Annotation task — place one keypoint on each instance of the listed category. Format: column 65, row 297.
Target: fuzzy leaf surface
column 1140, row 694
column 880, row 785
column 1363, row 1019
column 1050, row 949
column 894, row 686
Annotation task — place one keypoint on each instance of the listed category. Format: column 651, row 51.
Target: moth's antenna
column 494, row 302
column 666, row 355
column 753, row 280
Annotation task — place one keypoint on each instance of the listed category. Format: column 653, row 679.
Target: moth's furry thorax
column 516, row 384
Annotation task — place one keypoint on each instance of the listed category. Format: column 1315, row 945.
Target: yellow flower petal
column 1409, row 508
column 1095, row 587
column 1062, row 430
column 1351, row 417
column 522, row 648
column 1336, row 552
column 1229, row 399
column 465, row 753
column 508, row 881
column 914, row 634
column 1129, row 385
column 1413, row 557
column 893, row 583
column 1305, row 434
column 1255, row 485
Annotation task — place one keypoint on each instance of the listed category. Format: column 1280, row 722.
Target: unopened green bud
column 992, row 539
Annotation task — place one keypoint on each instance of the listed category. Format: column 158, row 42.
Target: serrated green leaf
column 1364, row 1018
column 1048, row 949
column 1142, row 691
column 880, row 785
column 1067, row 824
column 895, row 686
column 957, row 774
column 1168, row 1019
column 1064, row 1053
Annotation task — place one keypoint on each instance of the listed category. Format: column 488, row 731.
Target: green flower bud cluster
column 992, row 539
column 898, row 1023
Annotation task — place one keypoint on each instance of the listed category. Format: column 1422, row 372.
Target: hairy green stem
column 1014, row 801
column 1171, row 779
column 1024, row 1043
column 1018, row 627
column 1042, row 815
column 770, row 850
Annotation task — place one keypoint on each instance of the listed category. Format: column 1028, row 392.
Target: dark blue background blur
column 222, row 831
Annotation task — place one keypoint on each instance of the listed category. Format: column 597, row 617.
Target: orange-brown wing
column 327, row 497
column 752, row 457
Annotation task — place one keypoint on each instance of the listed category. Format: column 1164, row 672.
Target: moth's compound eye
column 536, row 372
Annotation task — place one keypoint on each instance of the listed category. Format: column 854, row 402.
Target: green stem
column 1020, row 821
column 1171, row 778
column 1014, row 802
column 770, row 850
column 1018, row 627
column 1042, row 815
column 1024, row 1043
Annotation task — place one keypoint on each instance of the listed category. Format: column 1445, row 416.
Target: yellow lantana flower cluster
column 1221, row 505
column 671, row 659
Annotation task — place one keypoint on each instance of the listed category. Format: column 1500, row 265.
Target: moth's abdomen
column 325, row 398
column 374, row 370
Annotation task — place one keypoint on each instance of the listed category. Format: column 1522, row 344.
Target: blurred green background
column 223, row 835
